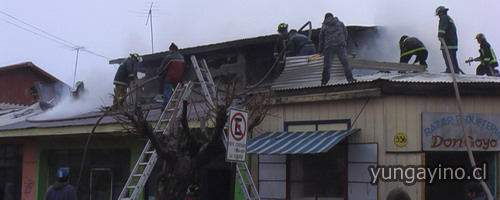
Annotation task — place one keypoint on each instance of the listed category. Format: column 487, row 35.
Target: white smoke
column 416, row 19
column 98, row 83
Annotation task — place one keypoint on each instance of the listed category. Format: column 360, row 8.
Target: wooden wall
column 380, row 120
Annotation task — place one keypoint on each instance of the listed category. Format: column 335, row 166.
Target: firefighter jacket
column 125, row 72
column 448, row 31
column 332, row 33
column 279, row 45
column 411, row 45
column 487, row 54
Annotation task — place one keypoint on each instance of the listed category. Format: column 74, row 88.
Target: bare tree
column 183, row 153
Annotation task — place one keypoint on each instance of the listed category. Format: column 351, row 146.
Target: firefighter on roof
column 412, row 46
column 486, row 56
column 124, row 75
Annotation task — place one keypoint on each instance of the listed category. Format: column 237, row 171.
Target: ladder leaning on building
column 147, row 160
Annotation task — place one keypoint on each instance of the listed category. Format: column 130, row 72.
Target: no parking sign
column 237, row 136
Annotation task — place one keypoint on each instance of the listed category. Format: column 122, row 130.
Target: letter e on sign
column 400, row 139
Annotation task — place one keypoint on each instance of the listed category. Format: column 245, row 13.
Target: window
column 104, row 175
column 10, row 172
column 101, row 182
column 318, row 176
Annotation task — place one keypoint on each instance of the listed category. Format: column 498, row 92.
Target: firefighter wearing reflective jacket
column 412, row 46
column 448, row 32
column 486, row 56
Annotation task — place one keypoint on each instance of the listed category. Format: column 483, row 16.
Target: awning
column 296, row 142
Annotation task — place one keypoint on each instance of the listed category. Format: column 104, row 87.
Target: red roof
column 32, row 66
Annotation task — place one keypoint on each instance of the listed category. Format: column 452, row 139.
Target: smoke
column 416, row 19
column 229, row 20
column 98, row 85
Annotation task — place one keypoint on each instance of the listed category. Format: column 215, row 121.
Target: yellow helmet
column 282, row 27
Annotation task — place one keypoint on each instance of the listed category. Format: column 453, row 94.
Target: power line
column 43, row 36
column 95, row 54
column 59, row 40
column 75, row 46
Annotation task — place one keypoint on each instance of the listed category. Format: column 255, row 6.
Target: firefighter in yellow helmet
column 124, row 75
column 486, row 56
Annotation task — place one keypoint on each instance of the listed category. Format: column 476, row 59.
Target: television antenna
column 150, row 18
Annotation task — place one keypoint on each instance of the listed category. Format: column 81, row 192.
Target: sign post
column 237, row 137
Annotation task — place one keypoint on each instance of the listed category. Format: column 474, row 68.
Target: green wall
column 132, row 142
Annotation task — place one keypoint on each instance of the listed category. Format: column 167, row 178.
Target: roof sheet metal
column 296, row 142
column 30, row 121
column 301, row 74
column 18, row 115
column 85, row 119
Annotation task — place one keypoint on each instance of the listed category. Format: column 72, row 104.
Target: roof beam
column 357, row 63
column 331, row 96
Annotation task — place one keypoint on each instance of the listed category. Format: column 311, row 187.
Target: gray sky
column 114, row 28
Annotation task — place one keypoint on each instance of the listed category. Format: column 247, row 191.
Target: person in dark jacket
column 448, row 32
column 299, row 45
column 172, row 71
column 61, row 190
column 333, row 41
column 486, row 56
column 279, row 46
column 124, row 75
column 412, row 46
column 280, row 43
column 475, row 191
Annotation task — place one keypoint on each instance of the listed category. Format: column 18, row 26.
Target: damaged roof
column 235, row 44
column 31, row 122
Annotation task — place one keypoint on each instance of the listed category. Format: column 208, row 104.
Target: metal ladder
column 205, row 79
column 147, row 160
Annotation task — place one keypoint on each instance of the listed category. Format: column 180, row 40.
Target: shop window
column 317, row 176
column 272, row 176
column 10, row 172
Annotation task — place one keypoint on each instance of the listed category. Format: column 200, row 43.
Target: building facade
column 395, row 115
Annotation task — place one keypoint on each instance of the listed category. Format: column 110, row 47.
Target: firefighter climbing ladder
column 205, row 79
column 148, row 157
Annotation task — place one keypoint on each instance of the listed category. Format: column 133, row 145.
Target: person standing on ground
column 299, row 45
column 333, row 41
column 172, row 71
column 448, row 32
column 61, row 190
column 124, row 75
column 412, row 46
column 486, row 56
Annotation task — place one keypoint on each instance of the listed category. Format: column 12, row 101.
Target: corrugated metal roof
column 300, row 74
column 18, row 115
